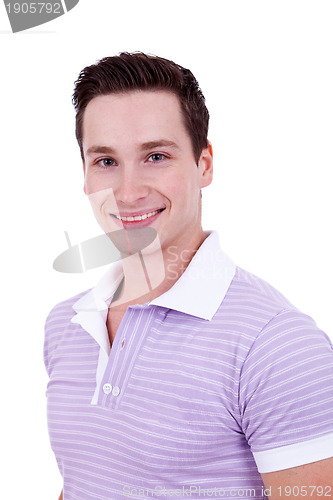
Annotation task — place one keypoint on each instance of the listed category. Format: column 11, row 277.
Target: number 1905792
column 34, row 8
column 295, row 491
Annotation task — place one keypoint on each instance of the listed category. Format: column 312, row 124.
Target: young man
column 179, row 374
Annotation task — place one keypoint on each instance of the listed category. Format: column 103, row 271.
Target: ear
column 205, row 166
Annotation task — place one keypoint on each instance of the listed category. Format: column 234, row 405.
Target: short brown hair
column 139, row 71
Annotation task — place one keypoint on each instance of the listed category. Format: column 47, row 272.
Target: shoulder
column 63, row 311
column 261, row 302
column 249, row 305
column 249, row 288
column 57, row 323
column 261, row 315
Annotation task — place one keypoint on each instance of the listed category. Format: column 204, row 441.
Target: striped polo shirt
column 218, row 379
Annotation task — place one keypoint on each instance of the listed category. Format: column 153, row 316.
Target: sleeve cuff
column 293, row 455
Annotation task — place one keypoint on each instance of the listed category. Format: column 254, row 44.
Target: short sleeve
column 286, row 393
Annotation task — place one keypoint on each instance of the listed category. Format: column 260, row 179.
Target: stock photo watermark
column 23, row 15
column 194, row 491
column 103, row 249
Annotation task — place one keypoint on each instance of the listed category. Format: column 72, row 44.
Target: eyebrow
column 144, row 147
column 100, row 150
column 158, row 144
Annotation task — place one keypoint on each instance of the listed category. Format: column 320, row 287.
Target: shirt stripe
column 182, row 401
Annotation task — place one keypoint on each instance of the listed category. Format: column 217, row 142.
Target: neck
column 153, row 271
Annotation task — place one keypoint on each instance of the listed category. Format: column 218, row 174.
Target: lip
column 137, row 223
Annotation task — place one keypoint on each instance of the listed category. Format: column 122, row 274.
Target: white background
column 266, row 70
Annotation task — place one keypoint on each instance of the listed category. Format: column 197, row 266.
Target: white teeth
column 137, row 217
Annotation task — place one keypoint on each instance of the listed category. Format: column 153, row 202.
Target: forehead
column 135, row 99
column 135, row 114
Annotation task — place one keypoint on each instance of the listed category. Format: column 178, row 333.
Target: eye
column 156, row 157
column 106, row 162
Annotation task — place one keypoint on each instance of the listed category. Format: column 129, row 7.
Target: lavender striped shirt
column 216, row 380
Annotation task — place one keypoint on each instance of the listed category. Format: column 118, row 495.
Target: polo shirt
column 218, row 379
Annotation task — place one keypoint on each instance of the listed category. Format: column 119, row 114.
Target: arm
column 314, row 480
column 285, row 387
column 61, row 497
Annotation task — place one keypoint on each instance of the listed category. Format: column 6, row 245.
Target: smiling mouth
column 138, row 217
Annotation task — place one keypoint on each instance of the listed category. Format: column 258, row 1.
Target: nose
column 130, row 187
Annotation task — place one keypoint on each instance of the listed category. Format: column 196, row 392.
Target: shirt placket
column 126, row 346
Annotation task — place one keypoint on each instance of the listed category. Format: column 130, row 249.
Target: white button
column 107, row 388
column 115, row 390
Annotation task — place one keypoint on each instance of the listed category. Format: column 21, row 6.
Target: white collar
column 202, row 287
column 198, row 292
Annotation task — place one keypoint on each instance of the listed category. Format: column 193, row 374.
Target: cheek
column 185, row 190
column 178, row 186
column 103, row 201
column 91, row 184
column 95, row 182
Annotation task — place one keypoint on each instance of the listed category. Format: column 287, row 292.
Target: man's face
column 139, row 162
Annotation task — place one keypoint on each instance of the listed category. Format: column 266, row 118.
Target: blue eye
column 106, row 162
column 156, row 157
